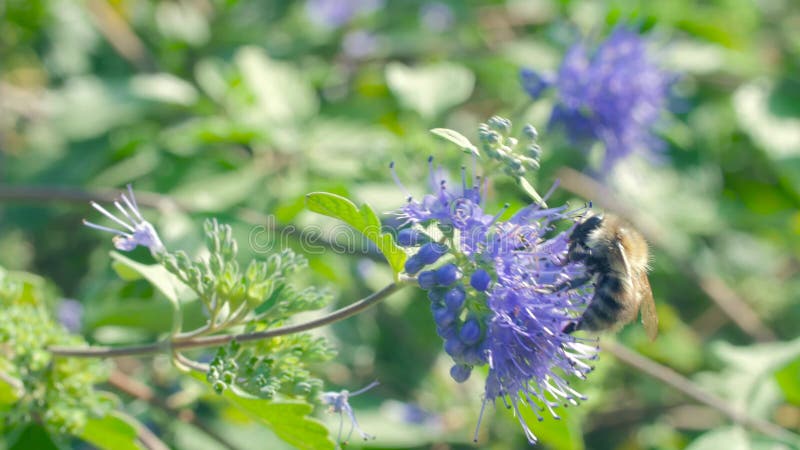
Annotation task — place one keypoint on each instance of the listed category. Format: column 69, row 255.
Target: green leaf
column 432, row 89
column 281, row 92
column 10, row 390
column 558, row 434
column 33, row 436
column 531, row 191
column 165, row 282
column 112, row 432
column 457, row 138
column 288, row 420
column 363, row 220
column 778, row 135
column 729, row 438
column 788, row 380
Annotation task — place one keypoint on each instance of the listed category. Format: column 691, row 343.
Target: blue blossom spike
column 135, row 230
column 614, row 95
column 515, row 304
column 339, row 403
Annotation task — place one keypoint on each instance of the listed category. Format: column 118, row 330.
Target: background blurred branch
column 684, row 385
column 725, row 298
column 119, row 34
column 141, row 391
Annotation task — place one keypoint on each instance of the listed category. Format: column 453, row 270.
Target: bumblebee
column 616, row 259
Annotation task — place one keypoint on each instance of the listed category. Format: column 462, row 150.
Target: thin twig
column 134, row 388
column 148, row 439
column 725, row 298
column 119, row 34
column 684, row 385
column 214, row 341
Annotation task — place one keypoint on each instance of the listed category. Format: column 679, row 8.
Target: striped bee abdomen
column 605, row 309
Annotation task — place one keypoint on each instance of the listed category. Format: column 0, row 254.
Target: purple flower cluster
column 614, row 96
column 497, row 295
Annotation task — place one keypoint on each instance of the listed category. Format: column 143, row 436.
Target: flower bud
column 480, row 280
column 447, row 274
column 454, row 298
column 442, row 316
column 460, row 372
column 471, row 331
column 427, row 279
column 431, row 252
column 454, row 347
column 413, row 265
column 410, row 237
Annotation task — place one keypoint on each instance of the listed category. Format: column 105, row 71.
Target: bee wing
column 648, row 305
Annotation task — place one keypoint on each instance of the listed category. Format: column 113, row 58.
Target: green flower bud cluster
column 275, row 367
column 229, row 293
column 56, row 392
column 498, row 144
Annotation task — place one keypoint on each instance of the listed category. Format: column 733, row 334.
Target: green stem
column 178, row 343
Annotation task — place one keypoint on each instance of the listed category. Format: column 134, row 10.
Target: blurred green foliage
column 237, row 109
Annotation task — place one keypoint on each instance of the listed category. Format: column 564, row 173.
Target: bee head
column 578, row 239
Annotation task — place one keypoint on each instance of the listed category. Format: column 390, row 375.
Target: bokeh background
column 236, row 109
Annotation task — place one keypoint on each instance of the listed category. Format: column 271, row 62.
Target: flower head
column 134, row 230
column 614, row 95
column 500, row 295
column 339, row 403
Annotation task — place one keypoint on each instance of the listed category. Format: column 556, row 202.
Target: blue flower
column 339, row 402
column 513, row 273
column 134, row 230
column 614, row 96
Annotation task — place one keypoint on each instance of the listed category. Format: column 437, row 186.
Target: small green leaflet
column 112, row 432
column 529, row 189
column 288, row 420
column 363, row 220
column 165, row 282
column 457, row 138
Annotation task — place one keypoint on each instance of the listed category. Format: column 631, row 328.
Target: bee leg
column 571, row 284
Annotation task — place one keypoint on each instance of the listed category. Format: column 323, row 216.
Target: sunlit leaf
column 288, row 420
column 729, row 438
column 112, row 432
column 165, row 282
column 457, row 138
column 363, row 220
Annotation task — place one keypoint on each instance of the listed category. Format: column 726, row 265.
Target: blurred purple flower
column 516, row 325
column 436, row 16
column 339, row 402
column 335, row 13
column 134, row 231
column 359, row 44
column 70, row 314
column 615, row 96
